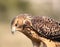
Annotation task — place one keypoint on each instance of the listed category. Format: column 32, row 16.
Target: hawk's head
column 20, row 22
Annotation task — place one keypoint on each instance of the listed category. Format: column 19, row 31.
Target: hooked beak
column 13, row 30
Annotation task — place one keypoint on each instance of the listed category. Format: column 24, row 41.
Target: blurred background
column 12, row 8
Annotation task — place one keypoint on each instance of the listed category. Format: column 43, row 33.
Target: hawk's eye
column 15, row 24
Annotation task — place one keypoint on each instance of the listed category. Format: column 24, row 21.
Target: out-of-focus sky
column 12, row 8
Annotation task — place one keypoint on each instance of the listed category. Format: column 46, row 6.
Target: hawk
column 37, row 28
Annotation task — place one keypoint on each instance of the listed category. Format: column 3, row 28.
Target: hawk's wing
column 46, row 27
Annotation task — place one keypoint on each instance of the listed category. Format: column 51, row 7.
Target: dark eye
column 59, row 23
column 15, row 24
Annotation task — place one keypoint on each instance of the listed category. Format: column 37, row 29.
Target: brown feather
column 47, row 27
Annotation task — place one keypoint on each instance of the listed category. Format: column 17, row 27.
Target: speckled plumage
column 46, row 27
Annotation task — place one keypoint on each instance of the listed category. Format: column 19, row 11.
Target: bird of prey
column 37, row 28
